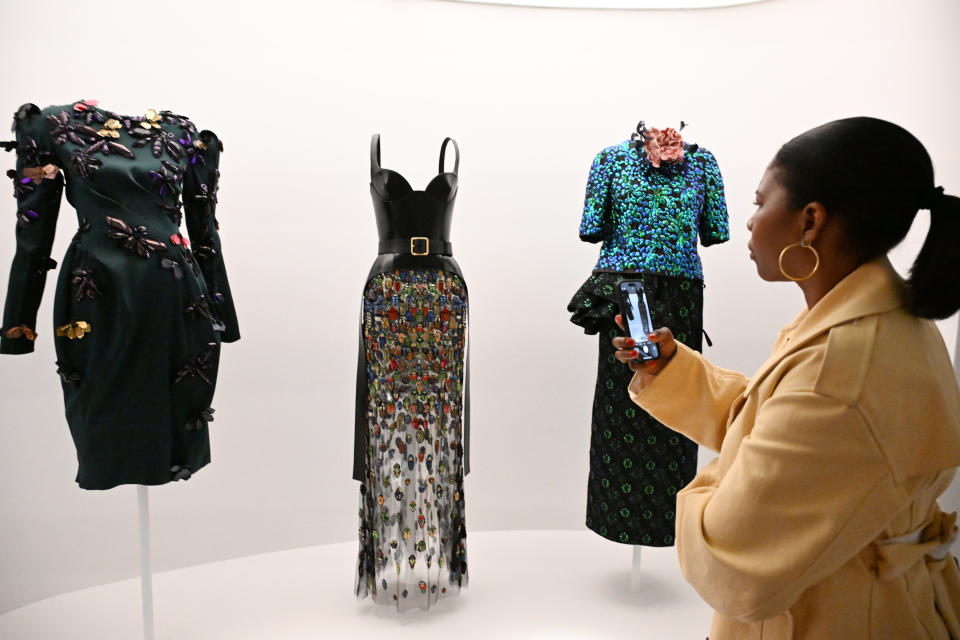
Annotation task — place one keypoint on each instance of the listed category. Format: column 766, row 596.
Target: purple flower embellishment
column 164, row 183
column 86, row 287
column 62, row 130
column 148, row 129
column 193, row 148
column 21, row 186
column 83, row 111
column 26, row 216
column 32, row 154
column 83, row 164
column 200, row 308
column 134, row 239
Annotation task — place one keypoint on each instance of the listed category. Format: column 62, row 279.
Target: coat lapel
column 874, row 287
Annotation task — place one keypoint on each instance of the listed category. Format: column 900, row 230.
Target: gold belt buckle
column 426, row 243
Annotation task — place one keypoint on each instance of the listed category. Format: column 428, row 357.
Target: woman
column 819, row 518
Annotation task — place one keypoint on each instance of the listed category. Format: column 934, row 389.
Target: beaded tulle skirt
column 412, row 529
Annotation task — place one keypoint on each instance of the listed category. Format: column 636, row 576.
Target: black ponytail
column 934, row 283
column 874, row 176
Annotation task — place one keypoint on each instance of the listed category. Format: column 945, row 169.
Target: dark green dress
column 139, row 313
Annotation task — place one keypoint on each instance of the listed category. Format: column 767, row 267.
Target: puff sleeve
column 200, row 185
column 714, row 223
column 38, row 186
column 596, row 205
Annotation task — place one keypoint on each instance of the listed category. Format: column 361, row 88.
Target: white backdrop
column 295, row 90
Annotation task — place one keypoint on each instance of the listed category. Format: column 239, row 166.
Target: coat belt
column 931, row 544
column 931, row 541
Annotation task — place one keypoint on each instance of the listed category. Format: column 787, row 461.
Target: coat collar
column 873, row 288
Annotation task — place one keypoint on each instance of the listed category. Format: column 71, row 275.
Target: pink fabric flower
column 663, row 145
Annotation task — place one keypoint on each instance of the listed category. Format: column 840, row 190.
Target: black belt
column 417, row 246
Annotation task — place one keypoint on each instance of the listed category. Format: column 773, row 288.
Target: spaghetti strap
column 374, row 154
column 443, row 153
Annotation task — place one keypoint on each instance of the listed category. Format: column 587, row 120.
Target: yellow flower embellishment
column 200, row 144
column 73, row 330
column 151, row 120
column 110, row 129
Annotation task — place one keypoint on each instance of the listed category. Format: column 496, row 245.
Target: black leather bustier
column 413, row 226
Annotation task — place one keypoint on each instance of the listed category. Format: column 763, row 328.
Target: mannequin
column 128, row 273
column 648, row 199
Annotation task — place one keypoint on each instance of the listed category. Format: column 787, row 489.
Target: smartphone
column 636, row 318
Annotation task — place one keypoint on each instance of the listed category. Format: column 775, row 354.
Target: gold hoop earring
column 804, row 245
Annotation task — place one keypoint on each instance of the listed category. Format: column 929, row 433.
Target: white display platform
column 523, row 584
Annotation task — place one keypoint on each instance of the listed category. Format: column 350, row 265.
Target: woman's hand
column 626, row 352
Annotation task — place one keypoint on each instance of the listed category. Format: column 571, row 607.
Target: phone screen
column 637, row 315
column 640, row 324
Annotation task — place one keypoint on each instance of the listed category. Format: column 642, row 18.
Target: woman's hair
column 874, row 176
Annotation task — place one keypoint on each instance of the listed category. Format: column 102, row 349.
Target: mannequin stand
column 146, row 572
column 635, row 572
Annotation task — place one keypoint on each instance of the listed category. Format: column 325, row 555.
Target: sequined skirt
column 637, row 465
column 412, row 530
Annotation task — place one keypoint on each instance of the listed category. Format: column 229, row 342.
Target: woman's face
column 772, row 227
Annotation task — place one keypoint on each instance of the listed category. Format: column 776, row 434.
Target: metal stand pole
column 635, row 573
column 146, row 572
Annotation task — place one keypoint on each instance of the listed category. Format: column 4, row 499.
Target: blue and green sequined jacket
column 647, row 217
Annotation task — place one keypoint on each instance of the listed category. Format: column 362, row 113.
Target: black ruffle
column 596, row 301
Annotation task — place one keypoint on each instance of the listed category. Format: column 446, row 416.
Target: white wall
column 295, row 90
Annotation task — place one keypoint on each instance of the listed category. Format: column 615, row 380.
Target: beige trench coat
column 819, row 519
